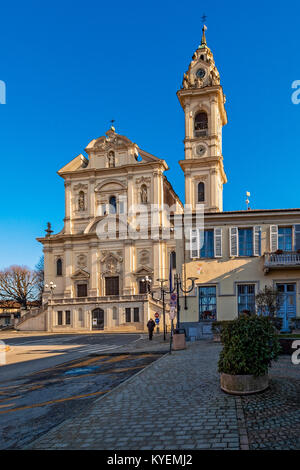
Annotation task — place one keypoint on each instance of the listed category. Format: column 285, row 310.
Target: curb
column 244, row 441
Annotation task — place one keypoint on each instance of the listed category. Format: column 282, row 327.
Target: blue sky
column 72, row 66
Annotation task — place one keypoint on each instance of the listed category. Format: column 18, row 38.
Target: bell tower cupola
column 202, row 99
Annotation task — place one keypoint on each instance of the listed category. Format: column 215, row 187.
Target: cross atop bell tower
column 202, row 99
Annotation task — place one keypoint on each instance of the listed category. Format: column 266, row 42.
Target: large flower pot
column 243, row 384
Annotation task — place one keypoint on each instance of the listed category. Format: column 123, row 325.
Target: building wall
column 228, row 271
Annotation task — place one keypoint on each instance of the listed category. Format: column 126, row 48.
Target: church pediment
column 143, row 271
column 80, row 274
column 110, row 185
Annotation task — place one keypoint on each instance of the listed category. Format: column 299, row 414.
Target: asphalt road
column 37, row 394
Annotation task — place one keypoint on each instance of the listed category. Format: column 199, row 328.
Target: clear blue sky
column 71, row 66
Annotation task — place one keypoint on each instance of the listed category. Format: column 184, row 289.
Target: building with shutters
column 102, row 283
column 239, row 252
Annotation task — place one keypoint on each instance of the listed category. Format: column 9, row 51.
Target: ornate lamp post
column 51, row 286
column 179, row 289
column 162, row 297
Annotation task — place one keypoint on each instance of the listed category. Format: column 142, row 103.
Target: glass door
column 288, row 303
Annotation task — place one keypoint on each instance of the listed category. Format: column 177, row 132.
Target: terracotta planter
column 243, row 384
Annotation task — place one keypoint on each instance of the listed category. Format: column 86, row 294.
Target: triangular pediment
column 143, row 270
column 80, row 274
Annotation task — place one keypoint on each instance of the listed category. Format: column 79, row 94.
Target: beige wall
column 227, row 272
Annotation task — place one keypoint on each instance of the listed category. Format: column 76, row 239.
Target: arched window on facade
column 201, row 124
column 201, row 192
column 111, row 159
column 59, row 267
column 112, row 205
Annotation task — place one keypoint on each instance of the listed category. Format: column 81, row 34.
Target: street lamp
column 162, row 297
column 184, row 291
column 51, row 286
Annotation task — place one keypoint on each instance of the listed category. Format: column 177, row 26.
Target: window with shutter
column 206, row 238
column 273, row 238
column 234, row 241
column 218, row 242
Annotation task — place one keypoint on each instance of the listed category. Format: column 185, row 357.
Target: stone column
column 128, row 267
column 94, row 271
column 68, row 208
column 92, row 204
column 68, row 292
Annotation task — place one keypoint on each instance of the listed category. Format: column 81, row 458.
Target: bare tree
column 39, row 269
column 268, row 301
column 19, row 284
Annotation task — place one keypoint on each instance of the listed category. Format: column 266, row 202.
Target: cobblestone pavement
column 176, row 403
column 273, row 417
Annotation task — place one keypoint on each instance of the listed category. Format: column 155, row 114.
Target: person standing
column 150, row 326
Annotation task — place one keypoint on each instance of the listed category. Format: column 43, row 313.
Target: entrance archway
column 98, row 319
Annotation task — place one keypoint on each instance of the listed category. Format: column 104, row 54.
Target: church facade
column 119, row 232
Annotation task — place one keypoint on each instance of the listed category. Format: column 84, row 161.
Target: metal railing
column 285, row 259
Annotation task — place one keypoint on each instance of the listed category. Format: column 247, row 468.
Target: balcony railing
column 286, row 259
column 106, row 299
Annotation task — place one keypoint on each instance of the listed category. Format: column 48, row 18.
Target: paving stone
column 191, row 411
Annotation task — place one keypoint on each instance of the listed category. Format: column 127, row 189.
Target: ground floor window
column 136, row 314
column 68, row 317
column 246, row 298
column 128, row 315
column 288, row 308
column 207, row 303
column 59, row 318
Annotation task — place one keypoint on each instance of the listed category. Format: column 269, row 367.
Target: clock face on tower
column 200, row 150
column 200, row 73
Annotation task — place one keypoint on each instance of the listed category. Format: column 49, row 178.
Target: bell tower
column 202, row 99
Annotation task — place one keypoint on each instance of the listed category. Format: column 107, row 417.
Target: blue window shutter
column 273, row 238
column 234, row 241
column 256, row 240
column 194, row 243
column 218, row 242
column 297, row 237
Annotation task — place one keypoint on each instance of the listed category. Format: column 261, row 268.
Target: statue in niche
column 144, row 194
column 81, row 201
column 111, row 159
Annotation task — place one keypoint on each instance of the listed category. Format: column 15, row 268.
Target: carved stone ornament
column 144, row 257
column 82, row 261
column 80, row 187
column 143, row 180
column 111, row 263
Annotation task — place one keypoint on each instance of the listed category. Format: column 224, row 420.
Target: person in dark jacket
column 150, row 326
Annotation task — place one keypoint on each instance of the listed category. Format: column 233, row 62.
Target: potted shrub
column 250, row 344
